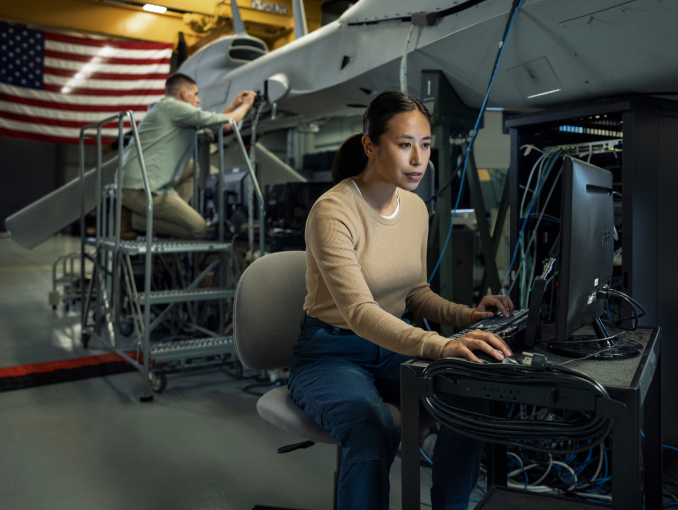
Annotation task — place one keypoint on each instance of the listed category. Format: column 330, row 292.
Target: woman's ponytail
column 350, row 159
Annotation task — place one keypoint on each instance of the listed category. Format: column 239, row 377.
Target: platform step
column 139, row 246
column 184, row 296
column 198, row 347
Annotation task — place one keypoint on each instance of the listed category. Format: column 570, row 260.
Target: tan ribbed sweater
column 364, row 270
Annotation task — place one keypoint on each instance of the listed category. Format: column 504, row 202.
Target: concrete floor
column 91, row 444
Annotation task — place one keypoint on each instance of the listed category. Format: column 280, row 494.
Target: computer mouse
column 486, row 358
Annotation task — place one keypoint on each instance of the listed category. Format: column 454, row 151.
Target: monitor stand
column 627, row 349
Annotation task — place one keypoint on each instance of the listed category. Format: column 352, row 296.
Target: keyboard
column 505, row 327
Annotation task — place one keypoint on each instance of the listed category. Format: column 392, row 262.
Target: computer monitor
column 235, row 184
column 288, row 204
column 585, row 262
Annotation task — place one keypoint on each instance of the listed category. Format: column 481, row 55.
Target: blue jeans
column 341, row 380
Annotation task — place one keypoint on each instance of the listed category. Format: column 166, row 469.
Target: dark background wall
column 28, row 171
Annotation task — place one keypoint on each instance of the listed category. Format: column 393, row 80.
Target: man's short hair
column 176, row 83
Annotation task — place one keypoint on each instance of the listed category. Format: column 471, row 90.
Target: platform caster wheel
column 158, row 381
column 85, row 340
column 126, row 327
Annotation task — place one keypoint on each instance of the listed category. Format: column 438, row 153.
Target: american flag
column 52, row 84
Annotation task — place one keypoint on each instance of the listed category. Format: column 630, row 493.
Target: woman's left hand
column 491, row 305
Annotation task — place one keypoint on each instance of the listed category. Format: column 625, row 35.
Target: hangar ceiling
column 201, row 21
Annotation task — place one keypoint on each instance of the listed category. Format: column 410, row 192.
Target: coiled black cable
column 578, row 431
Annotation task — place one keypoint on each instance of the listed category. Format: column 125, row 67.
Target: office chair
column 267, row 310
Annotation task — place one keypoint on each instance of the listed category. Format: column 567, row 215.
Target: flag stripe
column 51, row 36
column 105, row 52
column 40, row 137
column 16, row 100
column 155, row 94
column 66, row 115
column 73, row 65
column 73, row 102
column 106, row 60
column 107, row 76
column 73, row 133
column 104, row 84
column 46, row 121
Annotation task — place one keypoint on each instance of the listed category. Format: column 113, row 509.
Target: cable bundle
column 585, row 475
column 556, row 432
column 636, row 308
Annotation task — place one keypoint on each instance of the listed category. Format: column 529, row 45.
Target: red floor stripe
column 51, row 366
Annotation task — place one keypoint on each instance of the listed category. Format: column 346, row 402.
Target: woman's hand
column 464, row 346
column 491, row 305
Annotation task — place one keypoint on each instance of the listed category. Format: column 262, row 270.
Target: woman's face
column 403, row 152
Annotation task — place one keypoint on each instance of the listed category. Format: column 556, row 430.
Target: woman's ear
column 368, row 146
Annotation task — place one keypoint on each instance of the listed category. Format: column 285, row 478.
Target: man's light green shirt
column 167, row 135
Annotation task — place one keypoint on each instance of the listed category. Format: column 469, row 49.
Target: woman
column 366, row 263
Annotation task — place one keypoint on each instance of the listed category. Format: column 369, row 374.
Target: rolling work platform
column 161, row 304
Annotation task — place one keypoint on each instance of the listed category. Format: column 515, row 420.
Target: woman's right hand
column 464, row 346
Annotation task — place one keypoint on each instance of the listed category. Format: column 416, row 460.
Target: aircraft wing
column 557, row 53
column 43, row 218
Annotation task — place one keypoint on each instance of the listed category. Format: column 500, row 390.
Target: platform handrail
column 257, row 188
column 118, row 216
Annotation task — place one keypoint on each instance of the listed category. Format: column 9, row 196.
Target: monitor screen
column 586, row 259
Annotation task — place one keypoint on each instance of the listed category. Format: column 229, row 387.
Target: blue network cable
column 426, row 457
column 470, row 145
column 522, row 228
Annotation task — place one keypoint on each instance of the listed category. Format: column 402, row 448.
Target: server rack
column 647, row 178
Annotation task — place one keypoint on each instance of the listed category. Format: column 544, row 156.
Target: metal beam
column 130, row 21
column 483, row 228
column 99, row 17
column 498, row 230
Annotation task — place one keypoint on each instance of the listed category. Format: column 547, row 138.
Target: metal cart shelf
column 139, row 245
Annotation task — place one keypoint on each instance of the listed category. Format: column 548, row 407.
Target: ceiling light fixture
column 155, row 8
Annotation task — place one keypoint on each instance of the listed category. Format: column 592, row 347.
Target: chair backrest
column 268, row 307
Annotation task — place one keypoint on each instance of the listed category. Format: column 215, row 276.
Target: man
column 167, row 135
